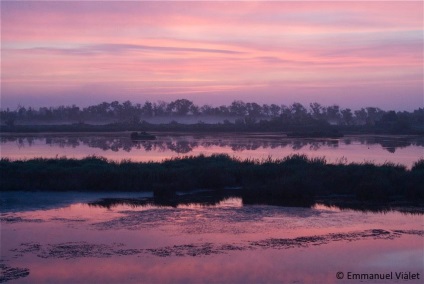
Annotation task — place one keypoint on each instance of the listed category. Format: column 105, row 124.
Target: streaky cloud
column 120, row 48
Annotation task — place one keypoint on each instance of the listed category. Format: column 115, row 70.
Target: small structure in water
column 142, row 136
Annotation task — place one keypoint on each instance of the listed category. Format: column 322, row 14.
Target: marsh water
column 78, row 238
column 122, row 237
column 117, row 146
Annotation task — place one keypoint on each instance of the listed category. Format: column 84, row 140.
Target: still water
column 78, row 238
column 403, row 150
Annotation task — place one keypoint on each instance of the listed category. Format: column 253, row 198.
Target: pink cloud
column 331, row 44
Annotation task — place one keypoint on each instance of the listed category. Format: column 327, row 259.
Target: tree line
column 240, row 112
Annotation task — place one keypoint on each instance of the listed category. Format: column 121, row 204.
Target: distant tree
column 224, row 110
column 194, row 109
column 266, row 111
column 160, row 108
column 22, row 111
column 147, row 109
column 373, row 114
column 333, row 114
column 240, row 122
column 285, row 113
column 317, row 111
column 347, row 116
column 253, row 109
column 298, row 112
column 207, row 110
column 129, row 111
column 360, row 116
column 180, row 107
column 238, row 108
column 74, row 112
column 275, row 110
column 389, row 117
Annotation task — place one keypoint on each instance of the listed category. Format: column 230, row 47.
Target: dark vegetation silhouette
column 238, row 116
column 207, row 198
column 294, row 180
column 170, row 199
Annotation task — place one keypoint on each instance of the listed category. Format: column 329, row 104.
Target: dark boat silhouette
column 142, row 136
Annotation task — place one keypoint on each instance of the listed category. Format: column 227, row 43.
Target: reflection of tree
column 182, row 147
column 186, row 144
column 332, row 143
column 392, row 143
column 147, row 145
column 30, row 141
column 314, row 146
column 391, row 149
column 298, row 144
column 237, row 147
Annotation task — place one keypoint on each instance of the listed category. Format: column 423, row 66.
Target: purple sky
column 354, row 54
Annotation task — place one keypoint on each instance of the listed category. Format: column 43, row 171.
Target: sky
column 354, row 54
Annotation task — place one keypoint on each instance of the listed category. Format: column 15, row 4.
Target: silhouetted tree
column 180, row 107
column 147, row 109
column 347, row 116
column 333, row 114
column 298, row 113
column 238, row 108
column 317, row 111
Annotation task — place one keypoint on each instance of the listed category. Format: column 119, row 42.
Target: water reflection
column 227, row 243
column 187, row 144
column 219, row 199
column 404, row 150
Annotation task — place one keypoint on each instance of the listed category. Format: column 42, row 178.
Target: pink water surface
column 117, row 146
column 229, row 223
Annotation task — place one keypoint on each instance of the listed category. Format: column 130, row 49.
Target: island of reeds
column 295, row 180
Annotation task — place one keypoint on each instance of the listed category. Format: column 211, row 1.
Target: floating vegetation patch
column 210, row 220
column 8, row 273
column 376, row 234
column 25, row 248
column 186, row 250
column 136, row 220
column 13, row 219
column 66, row 220
column 73, row 250
column 275, row 243
column 411, row 232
